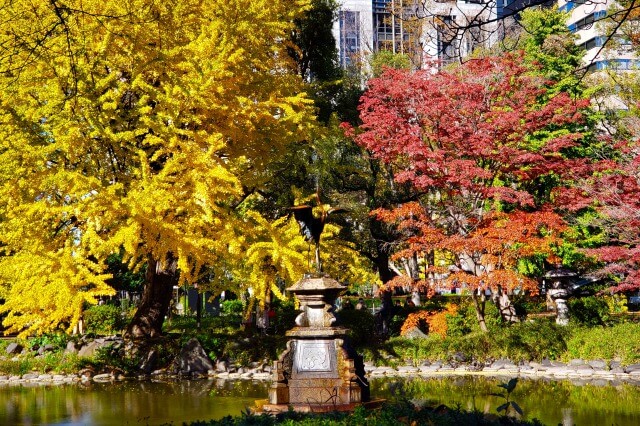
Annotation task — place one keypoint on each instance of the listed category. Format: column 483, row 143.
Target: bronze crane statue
column 311, row 227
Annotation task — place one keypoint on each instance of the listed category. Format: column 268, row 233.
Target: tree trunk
column 156, row 297
column 506, row 308
column 479, row 304
column 386, row 274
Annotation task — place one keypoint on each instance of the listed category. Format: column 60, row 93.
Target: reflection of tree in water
column 552, row 402
column 128, row 403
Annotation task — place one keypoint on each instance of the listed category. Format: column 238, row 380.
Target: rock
column 89, row 349
column 45, row 377
column 30, row 376
column 105, row 377
column 222, row 366
column 414, row 333
column 503, row 364
column 546, row 363
column 46, row 348
column 261, row 376
column 381, row 371
column 576, row 362
column 71, row 348
column 406, row 369
column 193, row 359
column 86, row 372
column 149, row 362
column 583, row 372
column 459, row 357
column 429, row 368
column 598, row 364
column 584, row 367
column 369, row 368
column 632, row 368
column 14, row 349
column 475, row 366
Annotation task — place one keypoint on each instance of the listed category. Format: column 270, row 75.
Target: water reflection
column 551, row 402
column 130, row 403
column 146, row 403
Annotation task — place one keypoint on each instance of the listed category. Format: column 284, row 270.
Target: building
column 353, row 31
column 426, row 31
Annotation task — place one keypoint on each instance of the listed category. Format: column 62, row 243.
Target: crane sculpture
column 311, row 227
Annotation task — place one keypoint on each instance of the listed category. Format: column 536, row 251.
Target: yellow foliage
column 134, row 125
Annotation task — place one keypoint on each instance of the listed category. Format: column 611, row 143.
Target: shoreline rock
column 597, row 372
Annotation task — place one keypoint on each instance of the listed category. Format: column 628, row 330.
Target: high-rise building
column 442, row 30
column 586, row 20
column 353, row 31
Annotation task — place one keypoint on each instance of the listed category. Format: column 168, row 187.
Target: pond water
column 135, row 403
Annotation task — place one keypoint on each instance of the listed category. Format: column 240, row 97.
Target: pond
column 146, row 403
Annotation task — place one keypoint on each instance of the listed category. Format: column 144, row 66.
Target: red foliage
column 463, row 139
column 612, row 187
column 465, row 130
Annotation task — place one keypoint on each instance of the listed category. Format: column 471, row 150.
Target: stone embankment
column 193, row 363
column 575, row 369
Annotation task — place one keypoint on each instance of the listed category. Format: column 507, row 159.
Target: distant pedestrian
column 360, row 305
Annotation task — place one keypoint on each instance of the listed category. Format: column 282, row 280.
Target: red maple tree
column 611, row 186
column 474, row 142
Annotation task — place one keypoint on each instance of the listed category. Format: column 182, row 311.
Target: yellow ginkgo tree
column 135, row 127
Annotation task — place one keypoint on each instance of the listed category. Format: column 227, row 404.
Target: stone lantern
column 560, row 288
column 318, row 371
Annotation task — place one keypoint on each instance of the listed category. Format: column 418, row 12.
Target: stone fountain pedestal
column 318, row 371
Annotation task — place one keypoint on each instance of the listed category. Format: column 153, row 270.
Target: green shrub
column 213, row 344
column 588, row 311
column 51, row 362
column 284, row 320
column 57, row 340
column 255, row 348
column 531, row 340
column 518, row 342
column 233, row 309
column 397, row 413
column 466, row 321
column 104, row 319
column 525, row 304
column 360, row 323
column 619, row 341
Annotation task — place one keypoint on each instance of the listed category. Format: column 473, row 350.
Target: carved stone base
column 317, row 372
